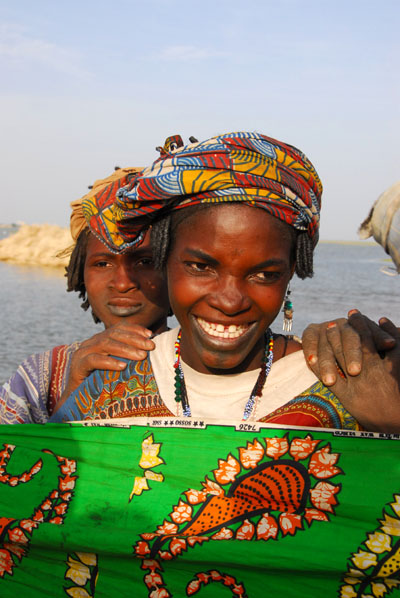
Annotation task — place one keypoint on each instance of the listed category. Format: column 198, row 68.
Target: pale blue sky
column 89, row 85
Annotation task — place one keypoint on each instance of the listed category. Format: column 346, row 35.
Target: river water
column 37, row 313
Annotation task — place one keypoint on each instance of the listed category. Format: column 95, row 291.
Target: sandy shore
column 36, row 244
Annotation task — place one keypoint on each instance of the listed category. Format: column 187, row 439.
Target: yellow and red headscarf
column 242, row 166
column 235, row 167
column 94, row 209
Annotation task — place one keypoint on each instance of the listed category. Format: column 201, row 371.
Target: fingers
column 103, row 350
column 346, row 346
column 390, row 329
column 318, row 353
column 330, row 352
column 119, row 346
column 310, row 342
column 119, row 341
column 98, row 361
column 373, row 337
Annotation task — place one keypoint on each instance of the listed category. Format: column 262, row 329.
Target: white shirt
column 225, row 396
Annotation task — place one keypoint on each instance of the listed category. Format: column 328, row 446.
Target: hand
column 322, row 342
column 372, row 396
column 130, row 341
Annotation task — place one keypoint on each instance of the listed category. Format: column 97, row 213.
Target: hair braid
column 304, row 256
column 75, row 271
column 160, row 240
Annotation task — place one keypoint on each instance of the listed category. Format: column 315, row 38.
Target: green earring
column 287, row 312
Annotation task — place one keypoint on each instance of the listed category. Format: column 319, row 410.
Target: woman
column 124, row 292
column 232, row 219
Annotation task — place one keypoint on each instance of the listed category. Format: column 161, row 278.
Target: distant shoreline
column 16, row 225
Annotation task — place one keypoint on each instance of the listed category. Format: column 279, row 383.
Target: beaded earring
column 287, row 312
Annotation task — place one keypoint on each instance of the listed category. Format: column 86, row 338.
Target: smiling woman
column 226, row 296
column 232, row 219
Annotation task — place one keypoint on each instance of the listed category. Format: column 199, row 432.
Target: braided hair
column 76, row 268
column 163, row 233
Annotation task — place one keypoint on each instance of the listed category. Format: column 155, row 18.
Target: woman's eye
column 267, row 276
column 197, row 266
column 102, row 264
column 145, row 261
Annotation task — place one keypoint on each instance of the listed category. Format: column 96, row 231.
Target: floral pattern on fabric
column 374, row 570
column 132, row 392
column 316, row 407
column 262, row 491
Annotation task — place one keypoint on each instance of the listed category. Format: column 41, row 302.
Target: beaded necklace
column 180, row 386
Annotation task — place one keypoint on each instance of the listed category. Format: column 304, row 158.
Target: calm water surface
column 37, row 313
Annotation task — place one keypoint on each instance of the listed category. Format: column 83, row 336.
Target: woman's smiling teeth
column 221, row 331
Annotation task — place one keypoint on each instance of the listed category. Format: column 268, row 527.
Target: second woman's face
column 125, row 287
column 228, row 271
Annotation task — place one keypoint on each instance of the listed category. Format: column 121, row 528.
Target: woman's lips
column 222, row 331
column 124, row 307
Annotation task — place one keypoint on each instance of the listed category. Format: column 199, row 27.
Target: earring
column 287, row 312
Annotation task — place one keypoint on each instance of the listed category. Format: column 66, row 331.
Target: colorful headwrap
column 246, row 167
column 94, row 210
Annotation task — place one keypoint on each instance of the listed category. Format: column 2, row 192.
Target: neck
column 221, row 364
column 159, row 326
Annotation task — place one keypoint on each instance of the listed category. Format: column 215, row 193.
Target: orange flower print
column 195, row 497
column 246, row 531
column 322, row 464
column 223, row 534
column 276, row 447
column 267, row 528
column 251, row 455
column 301, row 448
column 290, row 523
column 227, row 471
column 181, row 513
column 267, row 490
column 323, row 496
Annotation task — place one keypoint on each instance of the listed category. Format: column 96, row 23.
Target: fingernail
column 331, row 325
column 148, row 333
column 329, row 379
column 122, row 365
column 353, row 369
column 312, row 359
column 352, row 312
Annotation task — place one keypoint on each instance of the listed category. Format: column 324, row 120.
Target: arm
column 23, row 398
column 373, row 395
column 101, row 352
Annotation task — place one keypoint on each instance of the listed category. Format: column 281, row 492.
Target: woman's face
column 228, row 271
column 125, row 287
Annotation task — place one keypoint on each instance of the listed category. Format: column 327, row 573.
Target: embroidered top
column 292, row 394
column 32, row 391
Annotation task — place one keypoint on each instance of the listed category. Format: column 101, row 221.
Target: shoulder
column 285, row 345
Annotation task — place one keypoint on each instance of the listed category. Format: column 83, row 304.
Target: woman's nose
column 124, row 279
column 229, row 297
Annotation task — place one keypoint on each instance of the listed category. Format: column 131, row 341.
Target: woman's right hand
column 328, row 343
column 101, row 352
column 372, row 396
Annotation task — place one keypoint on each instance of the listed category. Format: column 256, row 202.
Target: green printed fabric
column 209, row 510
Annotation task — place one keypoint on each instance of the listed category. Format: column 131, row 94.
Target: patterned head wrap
column 94, row 210
column 246, row 167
